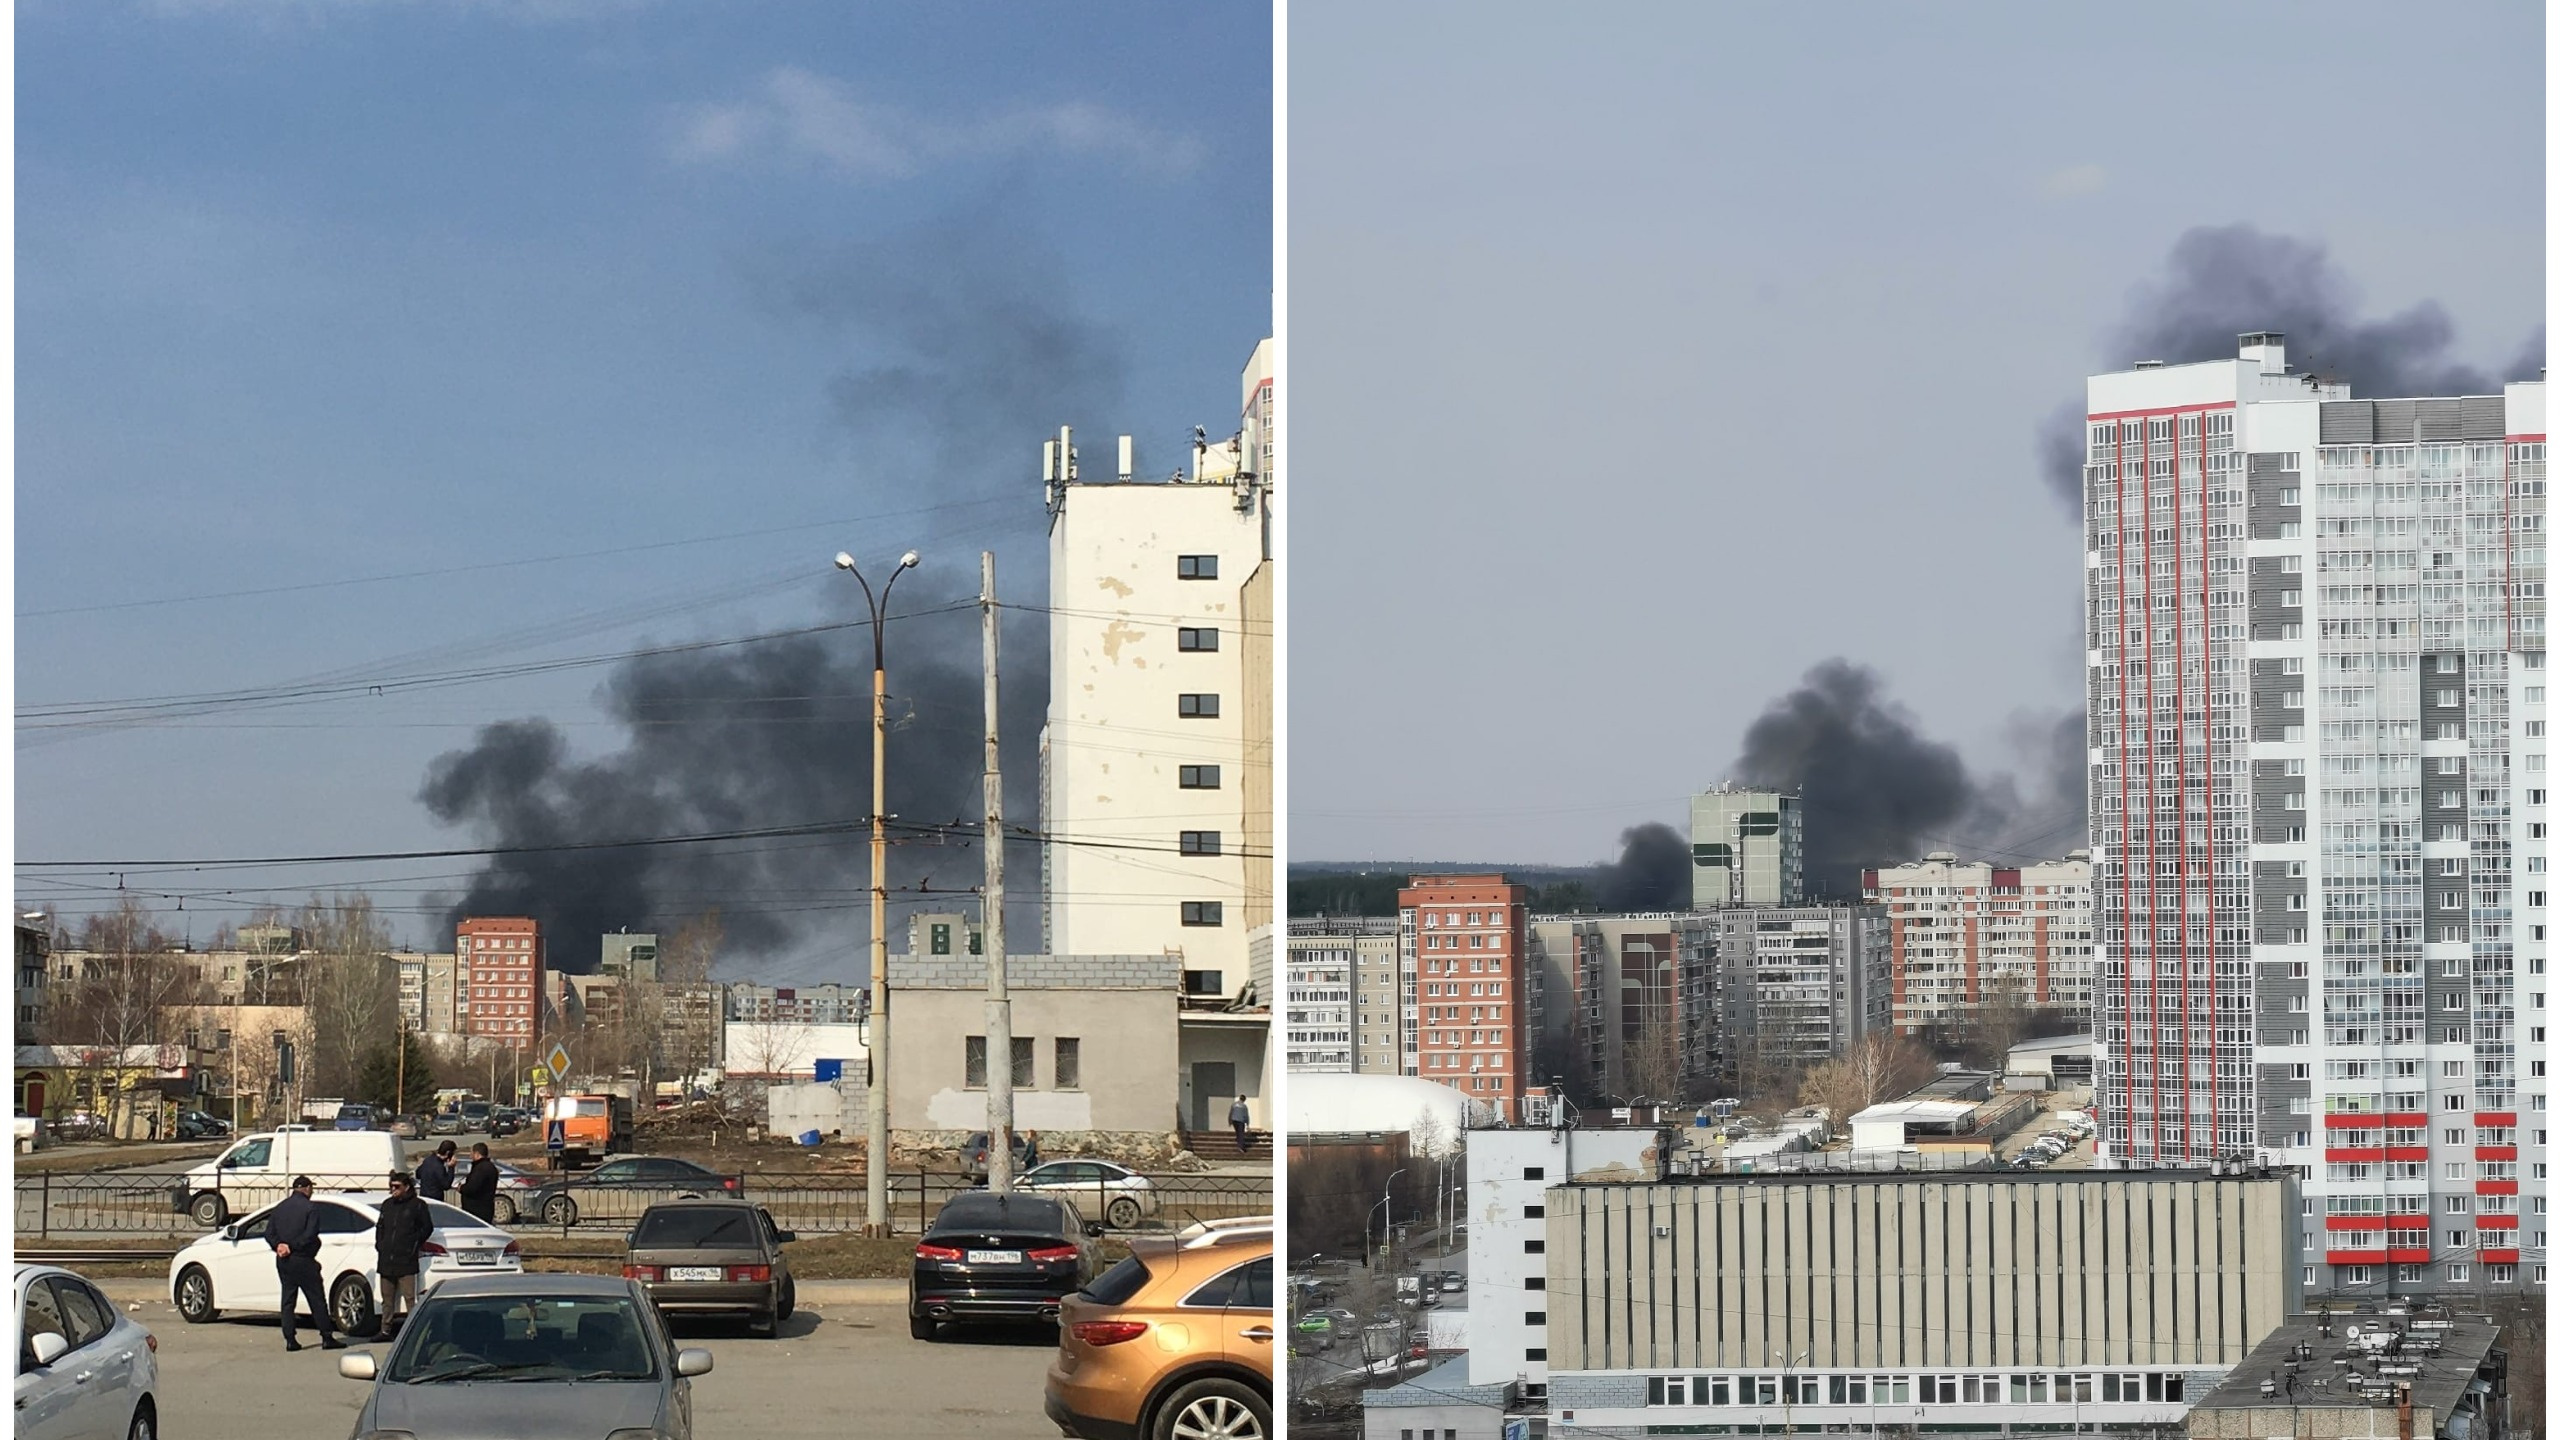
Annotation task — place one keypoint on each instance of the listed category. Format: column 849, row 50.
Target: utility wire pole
column 999, row 1002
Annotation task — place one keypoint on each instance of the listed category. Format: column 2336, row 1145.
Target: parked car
column 197, row 1125
column 517, row 1188
column 234, row 1266
column 475, row 1116
column 998, row 1257
column 622, row 1189
column 79, row 1125
column 1174, row 1340
column 503, row 1123
column 713, row 1257
column 447, row 1123
column 410, row 1127
column 353, row 1117
column 254, row 1172
column 571, row 1357
column 85, row 1368
column 1452, row 1281
column 973, row 1155
column 1117, row 1193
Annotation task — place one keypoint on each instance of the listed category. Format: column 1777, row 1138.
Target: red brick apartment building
column 499, row 960
column 1462, row 946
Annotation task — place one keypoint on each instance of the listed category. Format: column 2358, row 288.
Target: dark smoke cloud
column 1651, row 873
column 772, row 734
column 2221, row 281
column 1878, row 792
column 962, row 350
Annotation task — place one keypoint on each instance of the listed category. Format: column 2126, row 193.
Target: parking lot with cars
column 842, row 1363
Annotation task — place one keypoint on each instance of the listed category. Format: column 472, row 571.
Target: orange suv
column 1174, row 1341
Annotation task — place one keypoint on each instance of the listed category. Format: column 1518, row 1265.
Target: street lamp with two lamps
column 875, row 1166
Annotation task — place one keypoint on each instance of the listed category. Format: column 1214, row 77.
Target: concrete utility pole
column 999, row 1003
column 875, row 1166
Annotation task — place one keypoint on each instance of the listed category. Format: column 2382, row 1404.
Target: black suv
column 998, row 1257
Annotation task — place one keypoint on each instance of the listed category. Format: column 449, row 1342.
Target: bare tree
column 126, row 981
column 768, row 1048
column 1877, row 1068
column 351, row 985
column 1654, row 1064
column 688, row 1004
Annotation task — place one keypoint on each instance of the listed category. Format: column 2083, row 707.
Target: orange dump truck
column 581, row 1130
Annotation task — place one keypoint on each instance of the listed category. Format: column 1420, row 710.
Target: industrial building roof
column 2300, row 1367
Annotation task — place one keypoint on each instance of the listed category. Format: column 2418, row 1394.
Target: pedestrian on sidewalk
column 399, row 1240
column 435, row 1173
column 293, row 1228
column 480, row 1185
column 1240, row 1115
column 1030, row 1148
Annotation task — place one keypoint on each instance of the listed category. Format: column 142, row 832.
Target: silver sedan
column 1115, row 1192
column 571, row 1357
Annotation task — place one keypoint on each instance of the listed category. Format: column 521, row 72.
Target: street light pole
column 875, row 1165
column 999, row 999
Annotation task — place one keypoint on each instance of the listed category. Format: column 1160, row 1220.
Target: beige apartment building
column 1968, row 935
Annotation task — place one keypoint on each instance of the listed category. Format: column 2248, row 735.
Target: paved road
column 843, row 1364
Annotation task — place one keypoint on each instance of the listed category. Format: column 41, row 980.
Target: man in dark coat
column 1240, row 1115
column 399, row 1238
column 293, row 1228
column 480, row 1186
column 435, row 1173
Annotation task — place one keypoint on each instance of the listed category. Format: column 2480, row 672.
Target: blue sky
column 310, row 293
column 1641, row 357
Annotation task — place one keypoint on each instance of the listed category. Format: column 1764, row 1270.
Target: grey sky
column 1642, row 357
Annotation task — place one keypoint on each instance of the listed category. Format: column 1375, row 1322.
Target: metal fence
column 53, row 1205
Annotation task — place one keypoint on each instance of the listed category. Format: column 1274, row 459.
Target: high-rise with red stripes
column 2316, row 661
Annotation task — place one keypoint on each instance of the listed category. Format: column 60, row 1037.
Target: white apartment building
column 1797, row 986
column 1509, row 1173
column 2316, row 658
column 1156, row 755
column 1343, row 1015
column 1970, row 935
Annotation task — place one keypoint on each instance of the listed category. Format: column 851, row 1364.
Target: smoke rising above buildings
column 1650, row 873
column 1877, row 791
column 2221, row 281
column 962, row 352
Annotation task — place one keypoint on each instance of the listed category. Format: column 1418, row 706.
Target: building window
column 1201, row 842
column 1533, row 1317
column 1199, row 777
column 1196, row 637
column 1196, row 567
column 1533, row 1247
column 1067, row 1070
column 973, row 1062
column 1196, row 707
column 1203, row 982
column 1204, row 912
column 1023, row 1078
column 1535, row 1352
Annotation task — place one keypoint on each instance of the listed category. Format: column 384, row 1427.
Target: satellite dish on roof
column 2354, row 1331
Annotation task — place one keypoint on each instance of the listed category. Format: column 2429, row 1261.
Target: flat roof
column 1939, row 1177
column 2056, row 1042
column 1442, row 1384
column 1914, row 1110
column 2438, row 1356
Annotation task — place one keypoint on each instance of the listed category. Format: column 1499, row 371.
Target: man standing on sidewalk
column 399, row 1238
column 293, row 1228
column 480, row 1185
column 1240, row 1115
column 435, row 1173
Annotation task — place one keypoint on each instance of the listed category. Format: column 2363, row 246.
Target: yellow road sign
column 558, row 1060
column 541, row 1075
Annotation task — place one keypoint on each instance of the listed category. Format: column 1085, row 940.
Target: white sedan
column 1120, row 1195
column 236, row 1267
column 84, row 1367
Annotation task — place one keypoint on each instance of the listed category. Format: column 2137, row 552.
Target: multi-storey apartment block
column 1797, row 986
column 499, row 965
column 1461, row 959
column 1972, row 936
column 1625, row 1004
column 1746, row 847
column 1343, row 1010
column 2316, row 655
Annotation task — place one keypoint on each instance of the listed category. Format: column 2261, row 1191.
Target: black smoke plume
column 962, row 353
column 1651, row 873
column 772, row 734
column 2222, row 281
column 1878, row 792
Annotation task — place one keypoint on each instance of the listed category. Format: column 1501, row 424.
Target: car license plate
column 995, row 1257
column 476, row 1257
column 693, row 1272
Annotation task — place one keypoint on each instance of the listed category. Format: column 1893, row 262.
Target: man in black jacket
column 399, row 1238
column 480, row 1186
column 293, row 1228
column 435, row 1173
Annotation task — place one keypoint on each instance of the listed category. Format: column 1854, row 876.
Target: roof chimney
column 2267, row 348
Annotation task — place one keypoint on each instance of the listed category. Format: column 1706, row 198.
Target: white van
column 258, row 1169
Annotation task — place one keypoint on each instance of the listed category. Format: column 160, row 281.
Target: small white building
column 1894, row 1124
column 1508, row 1175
